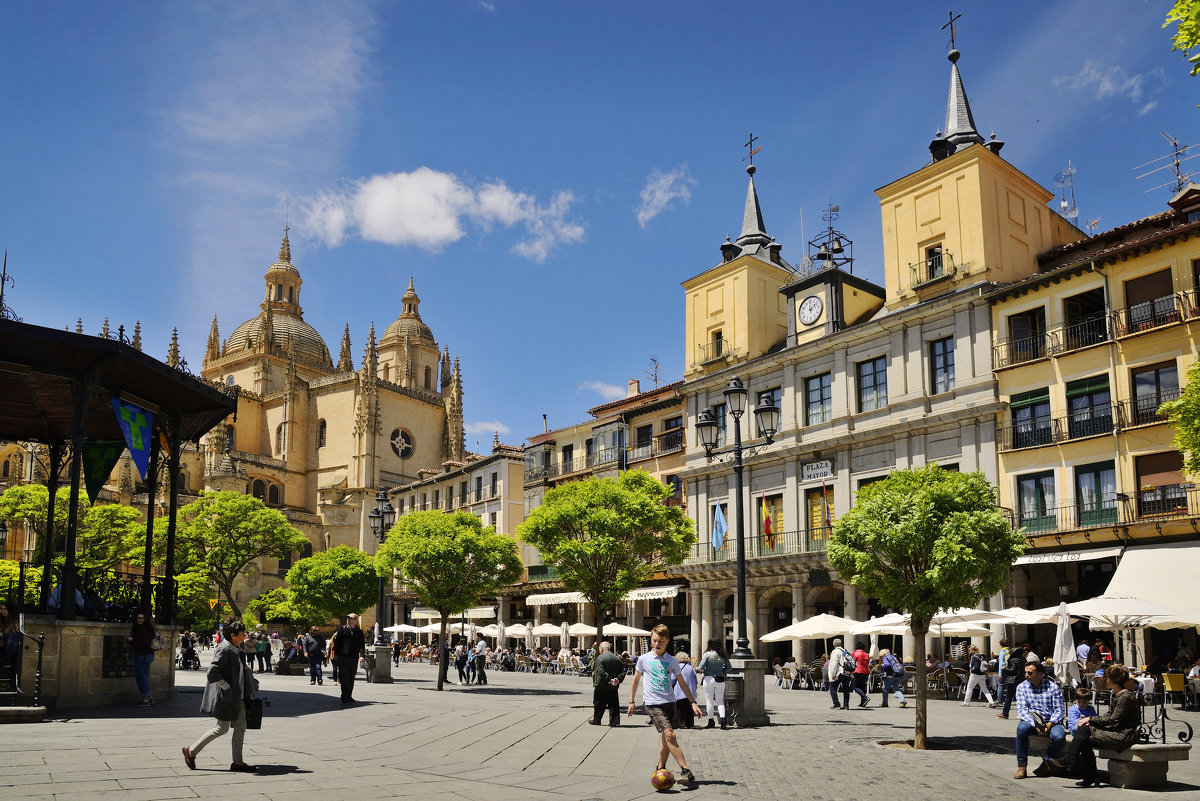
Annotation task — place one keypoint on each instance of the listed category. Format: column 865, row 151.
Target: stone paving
column 523, row 736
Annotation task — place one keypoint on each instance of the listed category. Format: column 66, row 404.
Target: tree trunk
column 920, row 628
column 227, row 588
column 442, row 654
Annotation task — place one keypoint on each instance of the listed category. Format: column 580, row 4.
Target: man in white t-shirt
column 479, row 652
column 660, row 671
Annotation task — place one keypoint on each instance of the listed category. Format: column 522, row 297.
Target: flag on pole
column 768, row 534
column 719, row 528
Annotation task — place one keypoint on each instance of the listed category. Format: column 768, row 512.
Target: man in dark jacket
column 350, row 644
column 607, row 674
column 314, row 649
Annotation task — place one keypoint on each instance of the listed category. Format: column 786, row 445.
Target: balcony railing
column 931, row 270
column 1079, row 334
column 1148, row 315
column 1008, row 352
column 1092, row 422
column 1143, row 410
column 758, row 546
column 1147, row 504
column 667, row 442
column 712, row 351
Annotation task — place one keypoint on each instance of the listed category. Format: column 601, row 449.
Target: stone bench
column 1144, row 764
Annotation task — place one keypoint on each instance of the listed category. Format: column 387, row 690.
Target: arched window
column 4, row 470
column 321, row 434
column 290, row 296
column 229, row 381
column 279, row 292
column 181, row 483
column 306, row 551
column 428, row 378
column 273, row 495
column 259, row 489
column 230, row 438
column 279, row 439
column 386, row 370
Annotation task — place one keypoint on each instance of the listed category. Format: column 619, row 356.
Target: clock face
column 810, row 310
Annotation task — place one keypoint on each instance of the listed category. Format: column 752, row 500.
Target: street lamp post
column 382, row 517
column 766, row 416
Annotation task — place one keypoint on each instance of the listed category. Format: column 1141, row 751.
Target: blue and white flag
column 719, row 529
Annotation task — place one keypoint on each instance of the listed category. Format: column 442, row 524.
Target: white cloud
column 487, row 6
column 1113, row 81
column 662, row 189
column 429, row 209
column 606, row 391
column 487, row 427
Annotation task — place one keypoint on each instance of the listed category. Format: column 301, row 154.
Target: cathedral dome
column 409, row 323
column 310, row 347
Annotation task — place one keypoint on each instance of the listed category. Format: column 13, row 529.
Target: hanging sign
column 136, row 424
column 99, row 458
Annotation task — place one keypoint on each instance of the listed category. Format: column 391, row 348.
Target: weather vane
column 753, row 149
column 950, row 25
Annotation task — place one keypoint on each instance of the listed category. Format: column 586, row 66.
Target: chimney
column 635, row 388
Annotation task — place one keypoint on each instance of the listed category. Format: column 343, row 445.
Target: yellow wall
column 988, row 216
column 742, row 300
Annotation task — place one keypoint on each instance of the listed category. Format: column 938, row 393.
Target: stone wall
column 73, row 664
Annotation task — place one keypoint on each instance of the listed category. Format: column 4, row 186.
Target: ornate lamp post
column 766, row 415
column 382, row 517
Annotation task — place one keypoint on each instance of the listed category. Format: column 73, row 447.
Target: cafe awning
column 640, row 594
column 1164, row 575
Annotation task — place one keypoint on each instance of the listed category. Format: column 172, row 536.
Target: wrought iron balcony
column 1079, row 334
column 712, row 351
column 1008, row 352
column 1143, row 410
column 759, row 546
column 1093, row 422
column 1149, row 504
column 667, row 442
column 931, row 270
column 1148, row 315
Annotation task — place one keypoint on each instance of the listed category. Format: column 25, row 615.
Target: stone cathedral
column 318, row 438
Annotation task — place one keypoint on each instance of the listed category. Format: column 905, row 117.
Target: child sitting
column 1082, row 709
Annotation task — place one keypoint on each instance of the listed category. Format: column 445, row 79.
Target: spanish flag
column 768, row 534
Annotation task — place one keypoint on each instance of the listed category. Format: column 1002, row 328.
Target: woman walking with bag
column 978, row 669
column 714, row 664
column 230, row 684
column 145, row 638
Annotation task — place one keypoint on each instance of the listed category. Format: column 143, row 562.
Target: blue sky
column 547, row 172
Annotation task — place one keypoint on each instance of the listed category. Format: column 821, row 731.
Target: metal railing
column 1082, row 333
column 107, row 595
column 1148, row 315
column 1143, row 410
column 1092, row 422
column 760, row 546
column 712, row 351
column 662, row 444
column 1147, row 504
column 1008, row 352
column 932, row 269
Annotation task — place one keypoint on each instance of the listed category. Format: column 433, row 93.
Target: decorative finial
column 953, row 54
column 137, row 336
column 79, row 325
column 173, row 351
column 753, row 150
column 104, row 329
column 285, row 248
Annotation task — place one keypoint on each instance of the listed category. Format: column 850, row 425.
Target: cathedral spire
column 173, row 350
column 345, row 362
column 104, row 330
column 213, row 351
column 79, row 325
column 445, row 382
column 371, row 355
column 455, row 437
column 268, row 329
column 137, row 336
column 285, row 248
column 753, row 232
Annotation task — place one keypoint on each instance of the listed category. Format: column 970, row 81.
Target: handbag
column 254, row 712
column 158, row 643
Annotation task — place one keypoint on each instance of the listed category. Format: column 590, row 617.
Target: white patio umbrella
column 1016, row 616
column 528, row 639
column 516, row 630
column 1108, row 612
column 501, row 635
column 546, row 630
column 403, row 627
column 471, row 630
column 583, row 630
column 881, row 625
column 963, row 615
column 621, row 630
column 818, row 627
column 490, row 630
column 564, row 635
column 1066, row 665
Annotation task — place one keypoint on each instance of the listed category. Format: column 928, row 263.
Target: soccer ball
column 662, row 780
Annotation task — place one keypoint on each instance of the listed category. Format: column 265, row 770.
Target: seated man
column 1040, row 707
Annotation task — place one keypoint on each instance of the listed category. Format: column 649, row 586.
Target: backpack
column 894, row 666
column 849, row 665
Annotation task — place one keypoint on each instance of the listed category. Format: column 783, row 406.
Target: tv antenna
column 1174, row 163
column 1065, row 181
column 652, row 373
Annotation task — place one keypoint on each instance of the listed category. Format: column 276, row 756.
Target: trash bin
column 733, row 696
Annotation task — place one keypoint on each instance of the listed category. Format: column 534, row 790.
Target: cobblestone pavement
column 519, row 737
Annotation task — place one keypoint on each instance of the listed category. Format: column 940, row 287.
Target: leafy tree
column 193, row 609
column 10, row 580
column 28, row 502
column 1184, row 413
column 279, row 605
column 924, row 540
column 450, row 561
column 606, row 536
column 1186, row 16
column 222, row 535
column 110, row 535
column 332, row 583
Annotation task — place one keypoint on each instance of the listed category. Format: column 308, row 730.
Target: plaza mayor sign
column 815, row 471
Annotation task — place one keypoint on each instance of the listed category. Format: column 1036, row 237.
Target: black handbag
column 254, row 712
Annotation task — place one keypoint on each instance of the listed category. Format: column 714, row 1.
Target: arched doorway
column 777, row 606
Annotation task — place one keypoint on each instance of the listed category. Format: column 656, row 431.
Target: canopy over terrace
column 56, row 388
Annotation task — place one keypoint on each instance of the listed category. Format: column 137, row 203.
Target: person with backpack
column 715, row 666
column 892, row 670
column 978, row 678
column 1011, row 674
column 839, row 670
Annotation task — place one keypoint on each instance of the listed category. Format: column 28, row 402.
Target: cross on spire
column 951, row 26
column 753, row 149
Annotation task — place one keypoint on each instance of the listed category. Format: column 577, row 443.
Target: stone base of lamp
column 751, row 703
column 383, row 665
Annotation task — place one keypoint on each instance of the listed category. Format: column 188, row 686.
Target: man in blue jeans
column 1041, row 709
